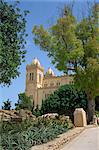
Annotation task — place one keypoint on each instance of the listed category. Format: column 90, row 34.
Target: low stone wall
column 60, row 141
column 18, row 116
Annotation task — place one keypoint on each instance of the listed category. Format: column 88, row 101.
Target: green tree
column 73, row 46
column 24, row 102
column 64, row 101
column 6, row 105
column 87, row 75
column 12, row 41
column 60, row 41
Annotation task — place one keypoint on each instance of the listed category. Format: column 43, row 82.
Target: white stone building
column 39, row 85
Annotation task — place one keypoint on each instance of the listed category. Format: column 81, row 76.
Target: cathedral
column 39, row 85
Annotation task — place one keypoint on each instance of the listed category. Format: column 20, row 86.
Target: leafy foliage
column 74, row 45
column 60, row 41
column 87, row 75
column 88, row 70
column 12, row 41
column 24, row 102
column 27, row 134
column 6, row 105
column 64, row 101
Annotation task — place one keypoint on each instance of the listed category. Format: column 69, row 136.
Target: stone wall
column 13, row 115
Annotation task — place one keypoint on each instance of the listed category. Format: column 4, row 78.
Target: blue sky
column 41, row 12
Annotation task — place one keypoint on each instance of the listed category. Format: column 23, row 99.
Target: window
column 40, row 78
column 30, row 76
column 51, row 84
column 58, row 83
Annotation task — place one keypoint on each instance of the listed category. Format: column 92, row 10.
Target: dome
column 50, row 72
column 36, row 62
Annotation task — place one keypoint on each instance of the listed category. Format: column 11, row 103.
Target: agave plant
column 27, row 134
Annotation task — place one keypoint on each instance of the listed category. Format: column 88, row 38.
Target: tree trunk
column 91, row 109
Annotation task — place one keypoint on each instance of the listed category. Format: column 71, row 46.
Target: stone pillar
column 80, row 119
column 95, row 120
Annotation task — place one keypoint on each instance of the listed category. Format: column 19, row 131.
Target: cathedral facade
column 39, row 85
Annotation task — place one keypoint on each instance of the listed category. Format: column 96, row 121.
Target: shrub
column 27, row 134
column 24, row 102
column 64, row 101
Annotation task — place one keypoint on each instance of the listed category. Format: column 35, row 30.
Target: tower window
column 30, row 76
column 40, row 78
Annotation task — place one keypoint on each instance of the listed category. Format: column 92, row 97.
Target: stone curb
column 57, row 143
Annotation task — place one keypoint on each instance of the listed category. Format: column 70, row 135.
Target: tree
column 6, row 105
column 24, row 102
column 87, row 75
column 73, row 46
column 64, row 101
column 12, row 41
column 60, row 41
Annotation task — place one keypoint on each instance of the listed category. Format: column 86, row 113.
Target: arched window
column 58, row 84
column 39, row 78
column 30, row 76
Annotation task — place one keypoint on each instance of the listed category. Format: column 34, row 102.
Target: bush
column 64, row 101
column 24, row 102
column 27, row 134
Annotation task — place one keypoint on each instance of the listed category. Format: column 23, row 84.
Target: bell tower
column 34, row 79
